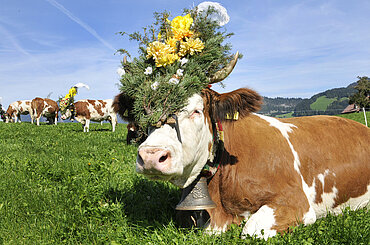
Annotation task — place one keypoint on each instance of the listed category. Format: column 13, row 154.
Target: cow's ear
column 123, row 105
column 236, row 104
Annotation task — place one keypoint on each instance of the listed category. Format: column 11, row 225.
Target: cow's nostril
column 163, row 158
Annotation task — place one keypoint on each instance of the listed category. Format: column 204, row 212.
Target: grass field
column 322, row 103
column 59, row 185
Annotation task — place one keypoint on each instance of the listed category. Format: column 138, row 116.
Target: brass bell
column 196, row 196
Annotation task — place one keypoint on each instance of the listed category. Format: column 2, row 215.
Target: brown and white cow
column 273, row 173
column 16, row 109
column 44, row 107
column 85, row 111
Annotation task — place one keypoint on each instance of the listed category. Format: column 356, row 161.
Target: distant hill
column 278, row 106
column 330, row 102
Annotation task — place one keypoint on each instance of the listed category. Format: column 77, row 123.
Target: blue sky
column 291, row 48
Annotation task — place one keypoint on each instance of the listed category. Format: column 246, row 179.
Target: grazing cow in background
column 18, row 108
column 273, row 173
column 132, row 132
column 45, row 107
column 85, row 111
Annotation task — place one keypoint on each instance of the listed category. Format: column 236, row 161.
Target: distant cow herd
column 83, row 111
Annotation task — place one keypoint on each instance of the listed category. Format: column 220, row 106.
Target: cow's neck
column 214, row 159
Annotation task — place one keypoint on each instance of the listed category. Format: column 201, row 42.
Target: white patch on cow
column 186, row 163
column 215, row 230
column 263, row 219
column 285, row 129
column 355, row 203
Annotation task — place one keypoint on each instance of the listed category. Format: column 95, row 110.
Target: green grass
column 322, row 103
column 286, row 115
column 358, row 117
column 59, row 185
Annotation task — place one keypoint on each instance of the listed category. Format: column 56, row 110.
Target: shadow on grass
column 147, row 203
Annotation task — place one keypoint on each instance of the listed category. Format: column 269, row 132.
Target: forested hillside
column 330, row 102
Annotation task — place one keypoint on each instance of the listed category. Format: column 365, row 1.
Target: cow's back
column 51, row 106
column 94, row 109
column 37, row 106
column 82, row 109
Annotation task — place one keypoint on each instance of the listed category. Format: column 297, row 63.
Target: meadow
column 59, row 185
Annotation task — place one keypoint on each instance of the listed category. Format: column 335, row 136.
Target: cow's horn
column 196, row 196
column 224, row 72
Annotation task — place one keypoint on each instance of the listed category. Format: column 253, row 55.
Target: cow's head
column 10, row 113
column 67, row 112
column 162, row 156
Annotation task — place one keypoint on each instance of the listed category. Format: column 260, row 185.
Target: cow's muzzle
column 153, row 161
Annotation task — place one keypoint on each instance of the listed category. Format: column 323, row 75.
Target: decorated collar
column 213, row 163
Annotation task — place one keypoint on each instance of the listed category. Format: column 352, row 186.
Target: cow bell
column 196, row 196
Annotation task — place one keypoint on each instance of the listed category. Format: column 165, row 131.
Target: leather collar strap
column 211, row 167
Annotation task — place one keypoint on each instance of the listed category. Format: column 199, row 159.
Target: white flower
column 220, row 16
column 148, row 70
column 155, row 85
column 121, row 71
column 179, row 72
column 174, row 80
column 183, row 61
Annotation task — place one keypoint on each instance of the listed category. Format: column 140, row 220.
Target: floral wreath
column 68, row 99
column 178, row 58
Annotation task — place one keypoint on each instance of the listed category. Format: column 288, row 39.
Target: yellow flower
column 181, row 27
column 191, row 46
column 166, row 59
column 71, row 93
column 172, row 42
column 154, row 49
column 163, row 54
column 182, row 23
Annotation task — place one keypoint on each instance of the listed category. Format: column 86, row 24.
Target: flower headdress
column 68, row 99
column 178, row 58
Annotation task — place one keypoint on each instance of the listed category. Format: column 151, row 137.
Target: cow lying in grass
column 44, row 107
column 16, row 109
column 272, row 173
column 85, row 111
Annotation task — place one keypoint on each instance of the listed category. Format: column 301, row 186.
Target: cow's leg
column 113, row 122
column 38, row 121
column 273, row 218
column 56, row 119
column 87, row 125
column 263, row 219
column 19, row 118
column 15, row 118
column 31, row 115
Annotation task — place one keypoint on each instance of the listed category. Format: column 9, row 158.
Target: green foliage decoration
column 158, row 90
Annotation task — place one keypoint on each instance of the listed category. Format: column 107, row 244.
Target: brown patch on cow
column 346, row 156
column 97, row 104
column 28, row 103
column 37, row 106
column 82, row 110
column 10, row 111
column 53, row 106
column 318, row 190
